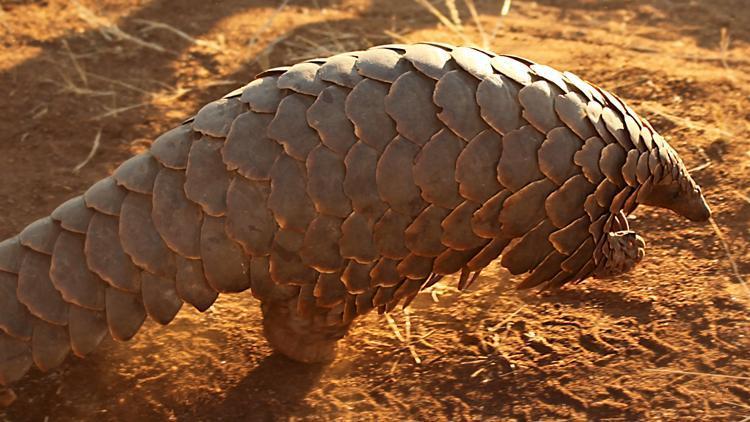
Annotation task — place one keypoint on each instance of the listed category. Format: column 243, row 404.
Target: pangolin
column 340, row 185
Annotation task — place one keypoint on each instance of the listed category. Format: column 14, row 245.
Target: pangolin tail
column 98, row 266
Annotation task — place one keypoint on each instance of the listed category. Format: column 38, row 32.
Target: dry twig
column 702, row 374
column 443, row 19
column 742, row 196
column 725, row 245
column 92, row 152
column 706, row 163
column 151, row 25
column 79, row 69
column 407, row 337
column 502, row 323
column 724, row 47
column 688, row 123
column 267, row 24
column 110, row 30
column 477, row 22
column 503, row 12
column 394, row 327
column 163, row 97
column 453, row 11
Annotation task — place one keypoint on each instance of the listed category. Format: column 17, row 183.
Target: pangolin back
column 338, row 186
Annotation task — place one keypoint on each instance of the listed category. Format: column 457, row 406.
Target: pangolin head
column 675, row 190
column 669, row 186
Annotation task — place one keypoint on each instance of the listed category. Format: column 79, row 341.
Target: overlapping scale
column 588, row 159
column 433, row 62
column 320, row 247
column 456, row 95
column 138, row 173
column 191, row 284
column 125, row 313
column 357, row 241
column 11, row 255
column 86, row 329
column 248, row 149
column 365, row 108
column 435, row 167
column 70, row 275
column 325, row 182
column 50, row 344
column 422, row 236
column 524, row 209
column 249, row 220
column 105, row 197
column 224, row 262
column 207, row 179
column 288, row 198
column 263, row 94
column 215, row 118
column 176, row 218
column 36, row 291
column 396, row 180
column 476, row 167
column 73, row 215
column 381, row 64
column 556, row 154
column 518, row 165
column 340, row 70
column 106, row 257
column 140, row 239
column 290, row 128
column 302, row 78
column 564, row 205
column 360, row 181
column 457, row 230
column 497, row 97
column 171, row 149
column 530, row 250
column 538, row 101
column 571, row 108
column 327, row 115
column 410, row 104
column 15, row 320
column 40, row 235
column 160, row 298
column 285, row 263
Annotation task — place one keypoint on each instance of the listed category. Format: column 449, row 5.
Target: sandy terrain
column 669, row 341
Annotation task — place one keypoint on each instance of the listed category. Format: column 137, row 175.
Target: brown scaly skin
column 337, row 186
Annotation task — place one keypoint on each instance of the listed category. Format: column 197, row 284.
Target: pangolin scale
column 341, row 185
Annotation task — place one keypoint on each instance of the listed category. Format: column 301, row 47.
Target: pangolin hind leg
column 305, row 336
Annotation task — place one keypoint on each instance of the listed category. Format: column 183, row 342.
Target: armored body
column 341, row 185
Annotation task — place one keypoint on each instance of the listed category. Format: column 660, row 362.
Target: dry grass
column 444, row 20
column 700, row 374
column 724, row 46
column 94, row 148
column 267, row 24
column 110, row 31
column 152, row 25
column 730, row 256
column 453, row 20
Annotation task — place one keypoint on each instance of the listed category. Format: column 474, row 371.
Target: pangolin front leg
column 341, row 185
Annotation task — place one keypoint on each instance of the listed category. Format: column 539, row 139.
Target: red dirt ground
column 603, row 350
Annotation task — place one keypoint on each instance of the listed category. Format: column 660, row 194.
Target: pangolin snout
column 698, row 210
